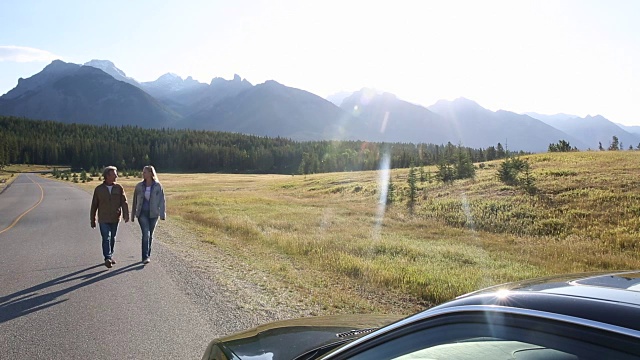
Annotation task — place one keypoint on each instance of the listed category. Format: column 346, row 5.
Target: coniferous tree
column 615, row 145
column 413, row 188
column 463, row 167
column 508, row 171
column 561, row 146
column 527, row 180
column 446, row 172
column 391, row 192
column 500, row 153
column 491, row 153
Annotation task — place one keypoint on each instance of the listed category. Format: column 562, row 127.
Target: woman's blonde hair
column 152, row 170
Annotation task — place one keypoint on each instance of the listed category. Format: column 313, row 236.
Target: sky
column 546, row 56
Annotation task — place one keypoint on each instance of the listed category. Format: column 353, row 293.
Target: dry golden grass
column 327, row 235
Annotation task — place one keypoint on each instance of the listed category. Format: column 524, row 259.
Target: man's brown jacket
column 110, row 206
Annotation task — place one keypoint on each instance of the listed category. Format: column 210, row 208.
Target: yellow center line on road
column 26, row 212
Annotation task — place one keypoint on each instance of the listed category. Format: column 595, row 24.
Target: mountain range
column 99, row 93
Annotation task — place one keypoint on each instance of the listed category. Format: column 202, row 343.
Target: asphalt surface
column 59, row 301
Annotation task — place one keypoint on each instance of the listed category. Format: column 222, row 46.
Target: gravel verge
column 232, row 296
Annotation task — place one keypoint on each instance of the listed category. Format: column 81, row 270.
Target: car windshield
column 272, row 160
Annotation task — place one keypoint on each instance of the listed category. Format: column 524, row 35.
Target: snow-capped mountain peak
column 172, row 82
column 108, row 67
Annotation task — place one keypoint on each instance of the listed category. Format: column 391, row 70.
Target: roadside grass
column 328, row 236
column 8, row 172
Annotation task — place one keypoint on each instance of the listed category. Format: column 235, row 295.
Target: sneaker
column 113, row 262
column 146, row 261
column 107, row 263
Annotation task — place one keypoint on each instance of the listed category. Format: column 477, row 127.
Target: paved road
column 58, row 300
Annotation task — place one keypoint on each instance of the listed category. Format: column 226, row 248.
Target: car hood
column 289, row 339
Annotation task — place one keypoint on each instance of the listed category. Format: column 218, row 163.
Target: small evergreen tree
column 527, row 181
column 615, row 144
column 446, row 172
column 517, row 172
column 391, row 192
column 561, row 146
column 500, row 154
column 509, row 170
column 464, row 167
column 413, row 189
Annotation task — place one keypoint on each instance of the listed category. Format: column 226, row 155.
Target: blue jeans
column 147, row 225
column 108, row 232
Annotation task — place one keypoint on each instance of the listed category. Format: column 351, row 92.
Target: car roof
column 608, row 298
column 621, row 287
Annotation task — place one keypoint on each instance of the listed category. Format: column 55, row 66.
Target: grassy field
column 329, row 237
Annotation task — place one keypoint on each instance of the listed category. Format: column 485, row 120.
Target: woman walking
column 148, row 206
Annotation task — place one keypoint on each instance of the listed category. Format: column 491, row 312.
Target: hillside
column 274, row 110
column 72, row 93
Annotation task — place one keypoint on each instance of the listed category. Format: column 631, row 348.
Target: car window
column 490, row 348
column 519, row 337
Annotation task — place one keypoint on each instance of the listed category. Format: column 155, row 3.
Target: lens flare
column 384, row 122
column 467, row 212
column 384, row 171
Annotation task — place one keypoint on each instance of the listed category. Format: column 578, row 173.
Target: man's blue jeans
column 147, row 225
column 108, row 232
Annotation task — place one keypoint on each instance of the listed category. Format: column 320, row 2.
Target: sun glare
column 383, row 182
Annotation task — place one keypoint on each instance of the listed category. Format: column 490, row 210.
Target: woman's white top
column 147, row 192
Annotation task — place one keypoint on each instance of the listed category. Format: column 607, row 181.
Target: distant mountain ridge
column 100, row 93
column 52, row 72
column 84, row 94
column 630, row 129
column 522, row 132
column 384, row 117
column 592, row 130
column 268, row 110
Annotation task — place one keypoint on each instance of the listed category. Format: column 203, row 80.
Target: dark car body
column 289, row 339
column 584, row 316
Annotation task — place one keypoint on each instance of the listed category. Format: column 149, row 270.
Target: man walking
column 110, row 201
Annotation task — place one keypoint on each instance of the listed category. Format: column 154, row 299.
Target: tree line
column 614, row 145
column 80, row 146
